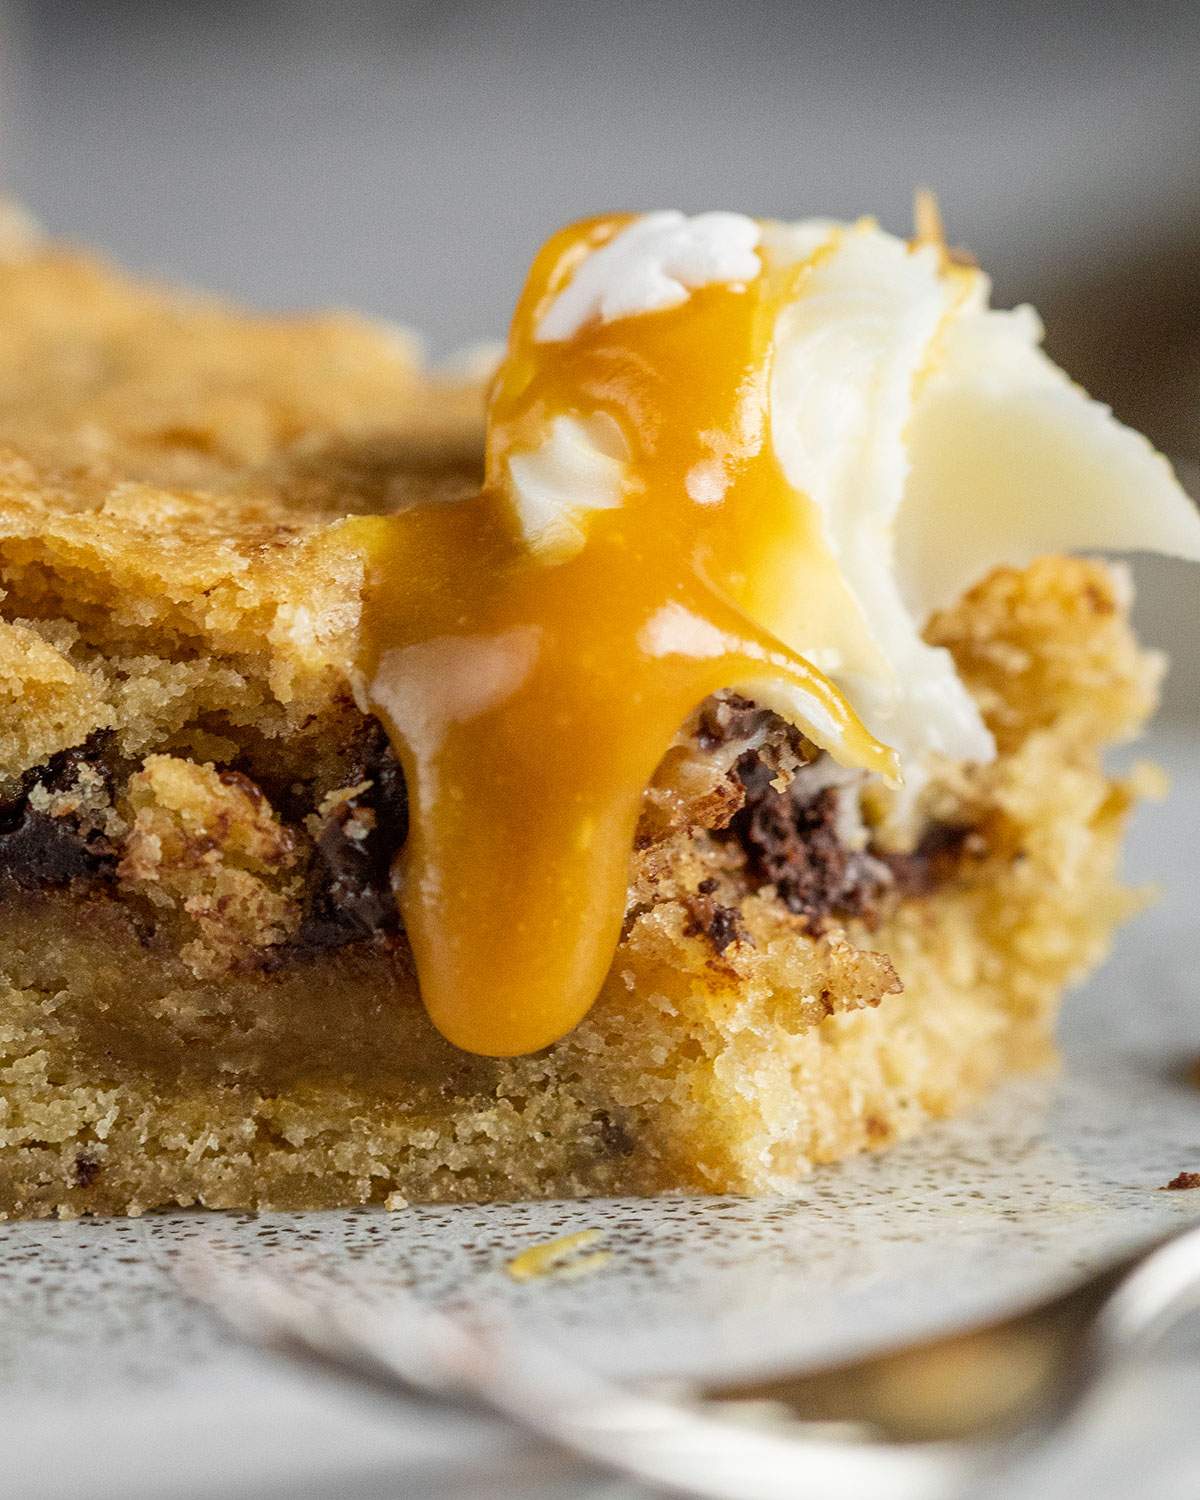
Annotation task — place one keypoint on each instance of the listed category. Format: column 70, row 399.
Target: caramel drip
column 530, row 697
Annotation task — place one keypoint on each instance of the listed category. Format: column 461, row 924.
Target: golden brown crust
column 171, row 474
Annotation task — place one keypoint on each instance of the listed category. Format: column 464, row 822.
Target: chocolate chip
column 938, row 855
column 725, row 927
column 726, row 717
column 350, row 892
column 87, row 1169
column 721, row 925
column 615, row 1139
column 39, row 849
column 42, row 851
column 793, row 844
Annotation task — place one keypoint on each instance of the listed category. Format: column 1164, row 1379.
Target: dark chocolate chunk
column 615, row 1139
column 350, row 894
column 720, row 924
column 41, row 850
column 724, row 927
column 938, row 854
column 38, row 849
column 792, row 843
column 726, row 717
column 87, row 1169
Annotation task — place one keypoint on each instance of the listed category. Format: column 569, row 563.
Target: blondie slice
column 207, row 990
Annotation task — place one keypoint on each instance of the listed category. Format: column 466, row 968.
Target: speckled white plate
column 113, row 1385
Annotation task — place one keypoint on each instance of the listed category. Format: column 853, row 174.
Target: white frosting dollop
column 580, row 466
column 930, row 435
column 938, row 442
column 653, row 264
column 849, row 354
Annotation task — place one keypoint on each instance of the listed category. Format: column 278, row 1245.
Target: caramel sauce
column 530, row 697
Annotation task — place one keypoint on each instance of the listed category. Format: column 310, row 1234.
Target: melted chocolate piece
column 938, row 855
column 614, row 1136
column 726, row 717
column 720, row 924
column 87, row 1169
column 789, row 841
column 350, row 893
column 792, row 842
column 38, row 849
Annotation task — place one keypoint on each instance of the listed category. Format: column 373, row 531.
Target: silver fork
column 885, row 1428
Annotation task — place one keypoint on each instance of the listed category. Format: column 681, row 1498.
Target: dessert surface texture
column 206, row 992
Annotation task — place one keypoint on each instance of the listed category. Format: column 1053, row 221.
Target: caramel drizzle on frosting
column 530, row 697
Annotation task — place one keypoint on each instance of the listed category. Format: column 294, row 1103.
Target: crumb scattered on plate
column 560, row 1258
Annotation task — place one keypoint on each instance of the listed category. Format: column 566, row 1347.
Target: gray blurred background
column 407, row 158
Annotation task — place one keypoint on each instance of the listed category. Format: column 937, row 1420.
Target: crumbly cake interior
column 206, row 994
